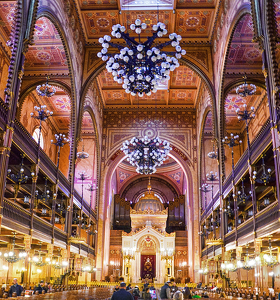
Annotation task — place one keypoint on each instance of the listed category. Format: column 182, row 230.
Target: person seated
column 46, row 287
column 178, row 295
column 39, row 287
column 15, row 288
column 205, row 295
column 196, row 295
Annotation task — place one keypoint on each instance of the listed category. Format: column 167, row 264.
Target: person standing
column 136, row 293
column 122, row 294
column 15, row 288
column 187, row 292
column 173, row 288
column 165, row 291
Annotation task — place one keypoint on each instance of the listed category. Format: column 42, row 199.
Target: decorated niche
column 148, row 245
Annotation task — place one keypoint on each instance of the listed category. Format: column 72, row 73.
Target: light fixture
column 45, row 196
column 82, row 154
column 141, row 66
column 18, row 178
column 45, row 90
column 266, row 201
column 242, row 197
column 38, row 260
column 270, row 259
column 61, row 140
column 265, row 176
column 246, row 89
column 205, row 189
column 213, row 154
column 248, row 264
column 146, row 154
column 11, row 256
column 26, row 200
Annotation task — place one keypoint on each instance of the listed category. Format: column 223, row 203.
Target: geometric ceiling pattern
column 180, row 90
column 170, row 169
column 192, row 19
column 234, row 101
column 47, row 54
column 7, row 9
column 243, row 52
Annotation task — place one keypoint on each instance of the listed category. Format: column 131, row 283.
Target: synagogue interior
column 139, row 143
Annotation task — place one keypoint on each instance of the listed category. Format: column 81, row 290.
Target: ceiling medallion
column 146, row 154
column 141, row 66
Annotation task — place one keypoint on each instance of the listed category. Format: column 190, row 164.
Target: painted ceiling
column 47, row 53
column 181, row 90
column 234, row 101
column 87, row 124
column 170, row 169
column 193, row 19
column 60, row 105
column 243, row 52
column 7, row 9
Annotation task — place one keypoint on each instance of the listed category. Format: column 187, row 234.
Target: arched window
column 35, row 136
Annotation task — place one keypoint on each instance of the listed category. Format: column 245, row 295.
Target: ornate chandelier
column 146, row 153
column 246, row 89
column 45, row 90
column 141, row 67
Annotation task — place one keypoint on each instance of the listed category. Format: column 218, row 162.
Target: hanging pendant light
column 141, row 66
column 45, row 90
column 146, row 154
column 246, row 89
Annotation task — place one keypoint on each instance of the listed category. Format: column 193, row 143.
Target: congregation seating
column 72, row 292
column 242, row 293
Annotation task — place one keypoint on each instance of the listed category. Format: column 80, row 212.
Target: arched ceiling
column 170, row 171
column 87, row 125
column 47, row 55
column 234, row 101
column 243, row 53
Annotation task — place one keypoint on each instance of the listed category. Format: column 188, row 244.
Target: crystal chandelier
column 11, row 256
column 146, row 153
column 270, row 259
column 141, row 66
